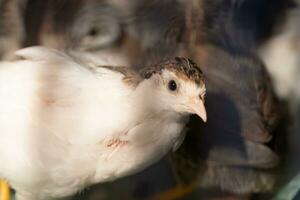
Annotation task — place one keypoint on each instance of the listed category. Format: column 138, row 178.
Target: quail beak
column 196, row 104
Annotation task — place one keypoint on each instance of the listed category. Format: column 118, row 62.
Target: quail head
column 65, row 125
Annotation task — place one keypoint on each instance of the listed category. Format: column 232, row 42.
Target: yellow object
column 4, row 191
column 175, row 193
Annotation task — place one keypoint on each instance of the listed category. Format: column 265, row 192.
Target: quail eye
column 93, row 32
column 172, row 85
column 147, row 75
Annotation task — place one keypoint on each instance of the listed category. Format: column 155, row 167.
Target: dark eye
column 172, row 85
column 147, row 75
column 93, row 32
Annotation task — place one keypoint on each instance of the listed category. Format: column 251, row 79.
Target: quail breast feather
column 65, row 125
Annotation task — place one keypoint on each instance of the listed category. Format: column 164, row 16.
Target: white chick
column 65, row 125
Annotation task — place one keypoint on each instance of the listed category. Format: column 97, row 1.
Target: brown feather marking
column 131, row 77
column 114, row 143
column 184, row 68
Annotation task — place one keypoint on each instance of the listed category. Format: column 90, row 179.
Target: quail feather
column 65, row 125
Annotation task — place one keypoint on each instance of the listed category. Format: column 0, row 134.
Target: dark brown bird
column 101, row 27
column 230, row 151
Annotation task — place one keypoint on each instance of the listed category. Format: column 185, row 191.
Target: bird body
column 64, row 126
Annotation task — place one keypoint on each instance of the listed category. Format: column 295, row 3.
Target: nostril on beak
column 202, row 97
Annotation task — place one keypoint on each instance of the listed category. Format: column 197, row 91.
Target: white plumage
column 64, row 126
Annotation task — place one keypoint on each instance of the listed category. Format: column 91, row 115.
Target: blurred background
column 249, row 51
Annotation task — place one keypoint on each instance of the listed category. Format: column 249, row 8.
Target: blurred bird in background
column 272, row 27
column 232, row 153
column 281, row 54
column 12, row 27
